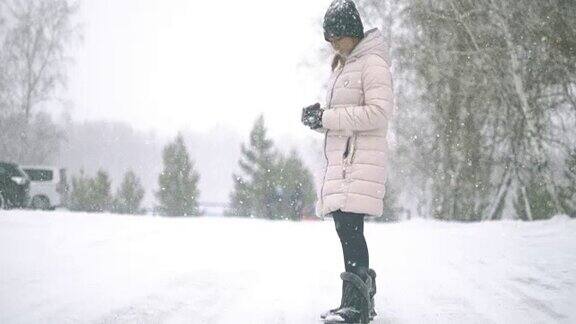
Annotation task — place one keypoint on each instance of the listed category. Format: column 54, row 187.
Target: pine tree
column 80, row 193
column 254, row 193
column 271, row 186
column 240, row 199
column 91, row 194
column 129, row 196
column 101, row 192
column 295, row 188
column 178, row 194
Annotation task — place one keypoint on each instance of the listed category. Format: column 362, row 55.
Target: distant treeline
column 271, row 186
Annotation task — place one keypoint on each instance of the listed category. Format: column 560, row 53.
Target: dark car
column 14, row 186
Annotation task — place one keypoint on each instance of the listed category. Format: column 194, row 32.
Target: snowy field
column 60, row 267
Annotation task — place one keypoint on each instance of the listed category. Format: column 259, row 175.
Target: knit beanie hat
column 342, row 19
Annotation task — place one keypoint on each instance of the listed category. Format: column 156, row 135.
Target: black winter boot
column 356, row 303
column 372, row 292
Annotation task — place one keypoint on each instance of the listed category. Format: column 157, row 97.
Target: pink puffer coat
column 359, row 106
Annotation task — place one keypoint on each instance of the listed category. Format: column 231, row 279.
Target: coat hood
column 372, row 43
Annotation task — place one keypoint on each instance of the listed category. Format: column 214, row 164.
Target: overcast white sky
column 175, row 64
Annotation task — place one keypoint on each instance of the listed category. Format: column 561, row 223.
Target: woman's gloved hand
column 312, row 116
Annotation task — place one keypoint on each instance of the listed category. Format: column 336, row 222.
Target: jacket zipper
column 326, row 138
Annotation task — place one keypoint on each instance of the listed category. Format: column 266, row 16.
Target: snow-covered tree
column 91, row 194
column 486, row 105
column 294, row 185
column 34, row 36
column 241, row 198
column 101, row 192
column 129, row 196
column 79, row 198
column 271, row 185
column 254, row 193
column 178, row 193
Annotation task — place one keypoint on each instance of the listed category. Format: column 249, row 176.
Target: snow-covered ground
column 60, row 267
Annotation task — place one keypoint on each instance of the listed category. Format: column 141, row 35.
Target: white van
column 46, row 186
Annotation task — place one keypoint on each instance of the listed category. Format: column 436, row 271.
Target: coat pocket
column 353, row 142
column 347, row 148
column 348, row 156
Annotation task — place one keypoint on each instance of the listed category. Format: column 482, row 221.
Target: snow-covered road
column 61, row 267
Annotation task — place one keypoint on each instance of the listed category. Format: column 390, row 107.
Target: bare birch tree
column 486, row 103
column 33, row 59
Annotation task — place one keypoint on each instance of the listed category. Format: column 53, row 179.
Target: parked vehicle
column 46, row 186
column 14, row 186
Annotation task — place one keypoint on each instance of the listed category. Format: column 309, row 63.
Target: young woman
column 355, row 122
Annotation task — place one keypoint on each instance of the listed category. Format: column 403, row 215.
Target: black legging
column 350, row 229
